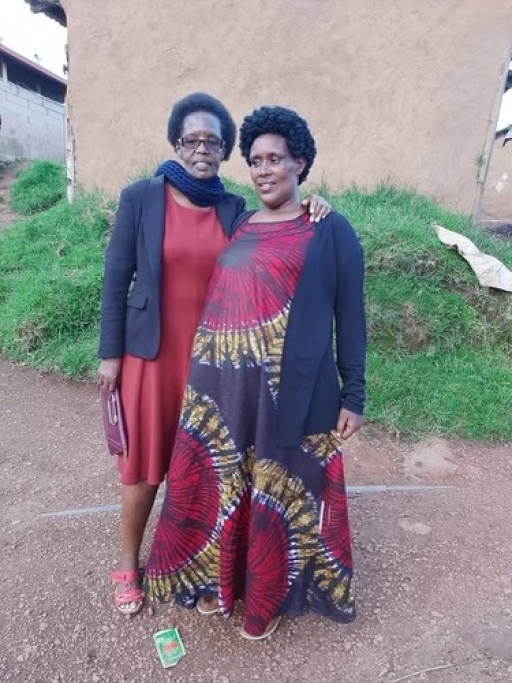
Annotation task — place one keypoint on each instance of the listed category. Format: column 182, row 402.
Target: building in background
column 404, row 91
column 32, row 110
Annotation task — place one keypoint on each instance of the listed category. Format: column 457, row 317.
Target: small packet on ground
column 170, row 647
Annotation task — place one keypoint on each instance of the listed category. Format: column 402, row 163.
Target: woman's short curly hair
column 196, row 102
column 279, row 121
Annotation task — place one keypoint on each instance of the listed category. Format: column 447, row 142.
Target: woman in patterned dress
column 256, row 506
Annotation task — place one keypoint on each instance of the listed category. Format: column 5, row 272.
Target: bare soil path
column 7, row 175
column 434, row 577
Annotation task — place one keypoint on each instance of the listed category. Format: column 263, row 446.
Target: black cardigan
column 330, row 288
column 130, row 322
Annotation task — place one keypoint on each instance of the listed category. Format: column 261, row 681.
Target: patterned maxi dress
column 242, row 517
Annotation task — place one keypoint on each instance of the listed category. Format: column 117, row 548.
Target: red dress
column 152, row 390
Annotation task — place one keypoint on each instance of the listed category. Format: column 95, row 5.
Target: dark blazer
column 330, row 289
column 130, row 318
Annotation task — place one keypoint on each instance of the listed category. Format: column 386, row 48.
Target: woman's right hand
column 108, row 373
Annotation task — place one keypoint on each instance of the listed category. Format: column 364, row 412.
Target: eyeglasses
column 211, row 144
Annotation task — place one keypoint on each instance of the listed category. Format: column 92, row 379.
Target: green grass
column 462, row 393
column 38, row 187
column 426, row 294
column 440, row 353
column 51, row 285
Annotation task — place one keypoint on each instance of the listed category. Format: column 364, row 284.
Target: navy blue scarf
column 199, row 192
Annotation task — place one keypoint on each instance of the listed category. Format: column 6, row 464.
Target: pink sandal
column 129, row 599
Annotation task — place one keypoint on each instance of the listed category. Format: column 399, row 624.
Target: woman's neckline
column 184, row 202
column 253, row 219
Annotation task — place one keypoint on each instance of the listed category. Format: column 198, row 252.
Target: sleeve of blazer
column 350, row 315
column 120, row 265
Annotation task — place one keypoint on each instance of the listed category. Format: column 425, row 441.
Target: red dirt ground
column 433, row 566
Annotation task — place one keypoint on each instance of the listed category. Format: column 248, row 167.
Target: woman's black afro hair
column 279, row 121
column 197, row 102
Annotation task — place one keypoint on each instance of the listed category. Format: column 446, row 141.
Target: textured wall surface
column 402, row 91
column 32, row 127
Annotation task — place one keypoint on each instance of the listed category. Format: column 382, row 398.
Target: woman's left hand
column 348, row 423
column 318, row 207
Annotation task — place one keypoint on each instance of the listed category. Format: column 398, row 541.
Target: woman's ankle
column 128, row 562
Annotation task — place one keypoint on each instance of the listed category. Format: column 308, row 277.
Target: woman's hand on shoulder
column 319, row 207
column 348, row 423
column 108, row 373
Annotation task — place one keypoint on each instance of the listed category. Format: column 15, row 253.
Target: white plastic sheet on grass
column 490, row 271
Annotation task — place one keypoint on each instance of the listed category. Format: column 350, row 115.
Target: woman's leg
column 136, row 505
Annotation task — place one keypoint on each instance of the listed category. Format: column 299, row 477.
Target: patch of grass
column 421, row 295
column 52, row 266
column 440, row 354
column 461, row 393
column 38, row 187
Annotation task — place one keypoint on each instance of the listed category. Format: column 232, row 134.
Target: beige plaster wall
column 401, row 91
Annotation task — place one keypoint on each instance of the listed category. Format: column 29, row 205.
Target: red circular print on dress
column 252, row 285
column 267, row 565
column 191, row 507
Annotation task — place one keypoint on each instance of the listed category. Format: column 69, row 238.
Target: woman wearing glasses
column 168, row 233
column 255, row 506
